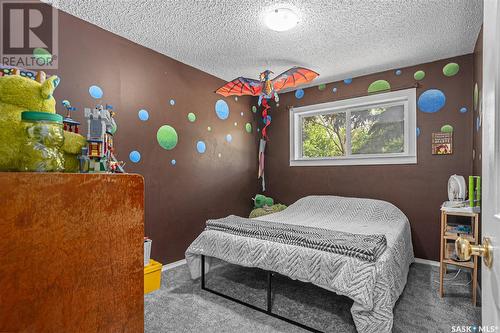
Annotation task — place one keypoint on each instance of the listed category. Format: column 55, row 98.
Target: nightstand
column 448, row 237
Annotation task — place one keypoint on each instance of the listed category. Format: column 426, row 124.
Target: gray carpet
column 180, row 305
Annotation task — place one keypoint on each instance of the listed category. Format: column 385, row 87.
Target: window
column 374, row 129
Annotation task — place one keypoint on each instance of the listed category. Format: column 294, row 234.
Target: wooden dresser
column 71, row 252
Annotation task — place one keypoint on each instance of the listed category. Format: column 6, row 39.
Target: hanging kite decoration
column 267, row 89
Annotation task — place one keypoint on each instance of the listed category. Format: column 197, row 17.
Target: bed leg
column 269, row 291
column 202, row 271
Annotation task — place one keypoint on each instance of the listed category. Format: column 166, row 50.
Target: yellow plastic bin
column 152, row 276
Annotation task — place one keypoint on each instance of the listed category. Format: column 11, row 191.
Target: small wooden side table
column 447, row 248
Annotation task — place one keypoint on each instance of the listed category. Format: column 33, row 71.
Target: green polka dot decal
column 248, row 127
column 379, row 85
column 167, row 137
column 322, row 86
column 476, row 96
column 447, row 129
column 451, row 69
column 419, row 75
column 254, row 109
column 191, row 117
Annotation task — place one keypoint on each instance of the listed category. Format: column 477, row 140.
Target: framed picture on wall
column 442, row 143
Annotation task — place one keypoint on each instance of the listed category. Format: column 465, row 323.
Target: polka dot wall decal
column 201, row 147
column 418, row 131
column 134, row 156
column 476, row 96
column 96, row 92
column 447, row 128
column 299, row 93
column 334, row 89
column 431, row 101
column 398, row 72
column 348, row 81
column 248, row 127
column 143, row 115
column 451, row 69
column 419, row 75
column 191, row 117
column 379, row 85
column 172, row 102
column 463, row 110
column 322, row 87
column 173, row 162
column 167, row 137
column 222, row 109
column 229, row 138
column 254, row 109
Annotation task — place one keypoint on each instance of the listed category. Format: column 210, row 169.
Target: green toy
column 266, row 210
column 261, row 201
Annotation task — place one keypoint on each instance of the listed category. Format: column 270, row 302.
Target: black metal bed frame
column 269, row 306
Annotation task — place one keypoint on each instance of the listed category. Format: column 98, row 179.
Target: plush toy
column 261, row 201
column 73, row 144
column 266, row 210
column 18, row 94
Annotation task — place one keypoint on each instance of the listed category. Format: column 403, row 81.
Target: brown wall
column 418, row 190
column 478, row 79
column 179, row 198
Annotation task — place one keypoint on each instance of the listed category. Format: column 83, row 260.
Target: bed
column 374, row 286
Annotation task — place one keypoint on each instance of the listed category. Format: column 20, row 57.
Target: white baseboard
column 173, row 265
column 427, row 262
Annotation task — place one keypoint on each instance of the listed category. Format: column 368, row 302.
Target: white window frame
column 406, row 97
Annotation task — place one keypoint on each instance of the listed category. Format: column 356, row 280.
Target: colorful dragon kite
column 267, row 89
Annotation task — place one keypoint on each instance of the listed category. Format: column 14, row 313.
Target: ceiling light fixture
column 281, row 19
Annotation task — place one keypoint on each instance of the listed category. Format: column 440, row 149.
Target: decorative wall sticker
column 322, row 87
column 463, row 110
column 201, row 147
column 398, row 72
column 134, row 156
column 447, row 128
column 476, row 96
column 348, row 81
column 418, row 131
column 451, row 69
column 95, row 92
column 379, row 85
column 167, row 137
column 229, row 138
column 248, row 127
column 419, row 75
column 143, row 115
column 334, row 90
column 299, row 93
column 173, row 162
column 254, row 109
column 431, row 101
column 222, row 109
column 191, row 117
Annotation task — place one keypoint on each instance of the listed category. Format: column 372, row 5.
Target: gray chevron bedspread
column 364, row 247
column 373, row 286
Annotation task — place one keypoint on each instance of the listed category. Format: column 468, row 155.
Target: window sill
column 355, row 161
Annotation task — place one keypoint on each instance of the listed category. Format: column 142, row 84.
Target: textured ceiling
column 338, row 39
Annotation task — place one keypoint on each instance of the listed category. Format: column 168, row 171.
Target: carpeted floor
column 180, row 306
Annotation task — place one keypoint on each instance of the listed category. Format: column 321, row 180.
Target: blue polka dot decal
column 418, row 131
column 463, row 110
column 134, row 156
column 398, row 72
column 431, row 101
column 173, row 162
column 201, row 147
column 172, row 102
column 143, row 115
column 96, row 92
column 222, row 109
column 348, row 81
column 299, row 93
column 229, row 138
